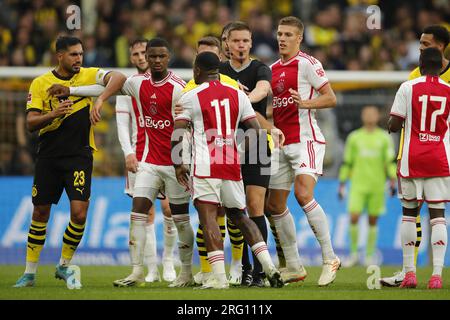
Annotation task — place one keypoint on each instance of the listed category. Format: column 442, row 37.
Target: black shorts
column 53, row 175
column 255, row 175
column 256, row 167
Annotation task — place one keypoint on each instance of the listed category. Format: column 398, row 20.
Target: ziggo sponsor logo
column 148, row 122
column 282, row 102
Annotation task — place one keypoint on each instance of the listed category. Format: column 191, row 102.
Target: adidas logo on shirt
column 153, row 96
column 282, row 74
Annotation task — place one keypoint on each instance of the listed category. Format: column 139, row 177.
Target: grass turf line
column 97, row 281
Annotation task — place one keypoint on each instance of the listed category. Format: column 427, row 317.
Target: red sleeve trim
column 325, row 83
column 248, row 118
column 182, row 119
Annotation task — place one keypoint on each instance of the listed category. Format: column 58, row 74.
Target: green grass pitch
column 97, row 285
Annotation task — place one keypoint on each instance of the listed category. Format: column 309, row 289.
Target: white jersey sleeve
column 176, row 96
column 400, row 105
column 245, row 106
column 315, row 74
column 187, row 104
column 123, row 118
column 93, row 90
column 131, row 87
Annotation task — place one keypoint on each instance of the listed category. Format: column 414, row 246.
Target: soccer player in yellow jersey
column 211, row 44
column 434, row 36
column 64, row 161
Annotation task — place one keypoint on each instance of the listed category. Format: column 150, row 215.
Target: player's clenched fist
column 64, row 107
column 178, row 109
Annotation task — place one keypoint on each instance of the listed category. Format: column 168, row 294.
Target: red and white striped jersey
column 215, row 110
column 424, row 105
column 304, row 74
column 153, row 104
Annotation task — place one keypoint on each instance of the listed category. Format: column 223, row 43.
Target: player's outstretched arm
column 327, row 99
column 113, row 83
column 262, row 90
column 277, row 135
column 59, row 90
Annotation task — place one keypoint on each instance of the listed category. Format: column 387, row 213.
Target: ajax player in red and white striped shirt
column 155, row 95
column 127, row 116
column 215, row 111
column 423, row 106
column 299, row 86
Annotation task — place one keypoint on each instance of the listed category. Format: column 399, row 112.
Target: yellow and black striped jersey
column 444, row 75
column 71, row 134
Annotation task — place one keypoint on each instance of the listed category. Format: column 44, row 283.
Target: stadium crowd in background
column 335, row 30
column 336, row 34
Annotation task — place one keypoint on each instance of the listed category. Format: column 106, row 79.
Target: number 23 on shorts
column 78, row 178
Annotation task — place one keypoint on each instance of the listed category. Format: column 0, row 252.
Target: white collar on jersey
column 243, row 67
column 160, row 82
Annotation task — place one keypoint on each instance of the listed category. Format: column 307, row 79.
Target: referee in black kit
column 254, row 77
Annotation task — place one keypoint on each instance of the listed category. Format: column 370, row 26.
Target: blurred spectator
column 192, row 28
column 323, row 31
column 92, row 56
column 263, row 39
column 336, row 27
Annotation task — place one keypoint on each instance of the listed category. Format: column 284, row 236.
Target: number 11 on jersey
column 225, row 103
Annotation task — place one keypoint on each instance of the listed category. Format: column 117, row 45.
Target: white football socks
column 262, row 253
column 319, row 225
column 284, row 223
column 185, row 241
column 438, row 243
column 151, row 255
column 408, row 238
column 138, row 222
column 170, row 238
column 217, row 261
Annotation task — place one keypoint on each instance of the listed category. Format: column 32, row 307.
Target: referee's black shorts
column 256, row 173
column 53, row 175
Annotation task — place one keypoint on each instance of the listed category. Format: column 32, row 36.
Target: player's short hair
column 64, row 42
column 209, row 41
column 292, row 21
column 207, row 61
column 430, row 60
column 225, row 29
column 440, row 34
column 157, row 42
column 137, row 41
column 238, row 26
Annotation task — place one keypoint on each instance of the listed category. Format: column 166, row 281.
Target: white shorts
column 150, row 179
column 130, row 179
column 227, row 193
column 295, row 159
column 431, row 190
